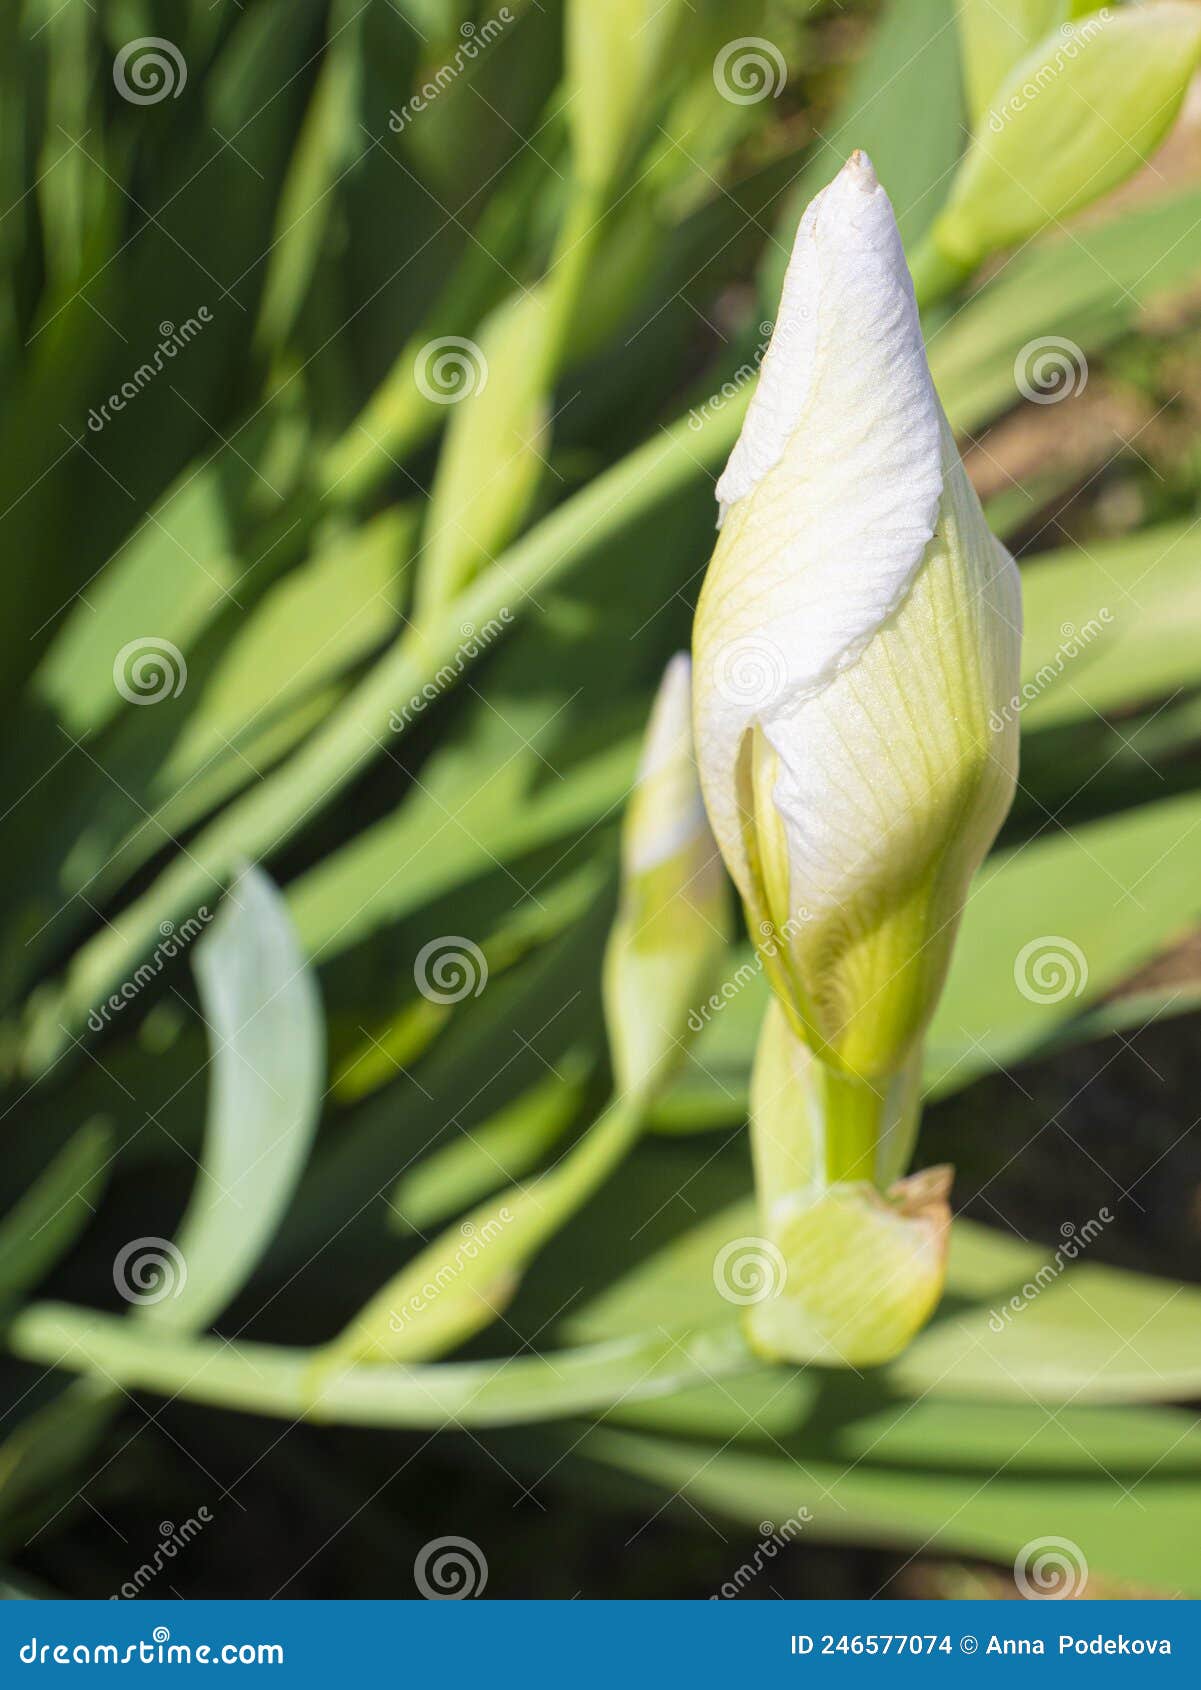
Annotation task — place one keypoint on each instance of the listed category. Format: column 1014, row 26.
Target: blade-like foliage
column 365, row 378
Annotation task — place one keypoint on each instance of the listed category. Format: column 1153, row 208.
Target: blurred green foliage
column 370, row 579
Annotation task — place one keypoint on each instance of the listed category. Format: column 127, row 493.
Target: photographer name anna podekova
column 1096, row 1645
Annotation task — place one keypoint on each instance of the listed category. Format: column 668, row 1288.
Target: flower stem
column 853, row 1111
column 451, row 1291
column 870, row 1125
column 814, row 1125
column 270, row 1379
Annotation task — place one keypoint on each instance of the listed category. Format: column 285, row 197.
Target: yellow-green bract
column 1080, row 112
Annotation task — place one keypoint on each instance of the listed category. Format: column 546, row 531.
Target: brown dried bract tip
column 925, row 1197
column 863, row 171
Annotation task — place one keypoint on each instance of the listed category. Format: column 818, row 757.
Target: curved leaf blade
column 267, row 1042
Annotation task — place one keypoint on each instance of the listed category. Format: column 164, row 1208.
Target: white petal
column 891, row 784
column 831, row 494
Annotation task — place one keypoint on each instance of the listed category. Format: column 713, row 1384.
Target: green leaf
column 1111, row 625
column 253, row 88
column 168, row 580
column 614, row 55
column 945, row 1512
column 462, row 1281
column 266, row 1379
column 1087, row 289
column 995, row 35
column 1052, row 926
column 1081, row 1333
column 329, row 141
column 49, row 1445
column 1081, row 112
column 399, row 414
column 45, row 1222
column 502, row 811
column 501, row 1149
column 1052, row 1332
column 496, row 441
column 267, row 1052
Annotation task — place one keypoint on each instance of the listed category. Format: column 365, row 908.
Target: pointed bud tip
column 860, row 170
column 666, row 812
column 669, row 731
column 843, row 196
column 678, row 670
